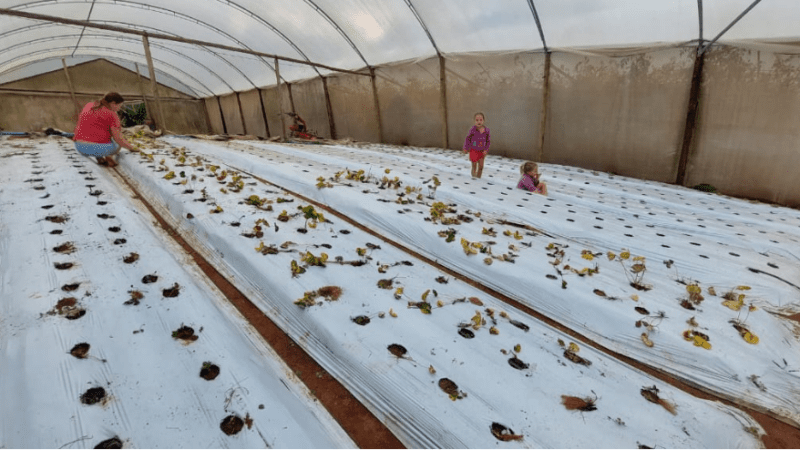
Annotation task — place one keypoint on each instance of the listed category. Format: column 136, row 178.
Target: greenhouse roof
column 244, row 38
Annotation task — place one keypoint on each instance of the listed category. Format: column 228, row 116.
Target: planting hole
column 56, row 219
column 114, row 442
column 231, row 425
column 174, row 291
column 397, row 350
column 64, row 248
column 93, row 395
column 114, row 229
column 503, row 433
column 120, row 241
column 185, row 333
column 209, row 371
column 56, row 231
column 361, row 320
column 152, row 278
column 466, row 333
column 63, row 266
column 80, row 351
column 130, row 259
column 518, row 363
column 70, row 287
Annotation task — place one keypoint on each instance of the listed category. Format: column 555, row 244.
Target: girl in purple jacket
column 477, row 144
column 530, row 178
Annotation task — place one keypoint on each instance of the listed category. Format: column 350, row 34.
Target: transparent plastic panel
column 592, row 23
column 381, row 31
column 768, row 19
column 478, row 25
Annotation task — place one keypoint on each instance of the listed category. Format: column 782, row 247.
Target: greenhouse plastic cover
column 354, row 34
column 510, row 372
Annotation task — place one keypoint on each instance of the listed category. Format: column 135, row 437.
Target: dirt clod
column 231, row 425
column 80, row 351
column 130, row 259
column 93, row 395
column 70, row 287
column 449, row 387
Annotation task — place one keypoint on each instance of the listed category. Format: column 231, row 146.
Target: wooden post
column 222, row 116
column 331, row 123
column 71, row 90
column 161, row 123
column 291, row 97
column 263, row 111
column 142, row 91
column 241, row 112
column 691, row 117
column 443, row 102
column 377, row 105
column 545, row 101
column 280, row 98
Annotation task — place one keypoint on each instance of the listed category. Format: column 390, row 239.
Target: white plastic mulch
column 137, row 384
column 713, row 280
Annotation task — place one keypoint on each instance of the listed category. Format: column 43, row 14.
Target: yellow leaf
column 387, row 171
column 733, row 304
column 488, row 261
column 399, row 291
column 693, row 289
column 700, row 342
column 517, row 235
column 587, row 255
column 493, row 330
column 507, row 233
column 638, row 258
column 625, row 255
column 743, row 288
column 431, row 370
column 712, row 291
column 439, row 303
column 561, row 343
column 635, row 297
column 425, row 295
column 392, row 313
column 517, row 348
column 647, row 340
column 638, row 268
column 750, row 338
column 477, row 320
column 752, row 308
column 573, row 347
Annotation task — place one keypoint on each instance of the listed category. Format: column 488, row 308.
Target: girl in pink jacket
column 477, row 144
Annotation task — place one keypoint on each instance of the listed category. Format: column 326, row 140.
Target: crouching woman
column 98, row 123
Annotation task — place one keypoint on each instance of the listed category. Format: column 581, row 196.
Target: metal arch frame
column 157, row 10
column 344, row 35
column 119, row 38
column 88, row 17
column 539, row 24
column 266, row 23
column 725, row 30
column 700, row 20
column 424, row 27
column 233, row 66
column 112, row 58
column 112, row 51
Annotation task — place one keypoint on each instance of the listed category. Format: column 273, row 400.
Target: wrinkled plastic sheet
column 403, row 388
column 687, row 237
column 154, row 396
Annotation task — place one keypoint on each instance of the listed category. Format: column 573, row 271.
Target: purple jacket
column 476, row 140
column 527, row 183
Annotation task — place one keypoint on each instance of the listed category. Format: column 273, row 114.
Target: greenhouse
column 289, row 249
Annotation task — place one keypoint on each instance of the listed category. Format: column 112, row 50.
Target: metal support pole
column 329, row 107
column 71, row 89
column 263, row 111
column 443, row 102
column 691, row 118
column 377, row 105
column 280, row 98
column 222, row 116
column 545, row 103
column 161, row 123
column 142, row 91
column 241, row 113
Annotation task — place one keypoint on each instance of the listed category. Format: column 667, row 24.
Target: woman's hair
column 108, row 99
column 528, row 166
column 479, row 114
